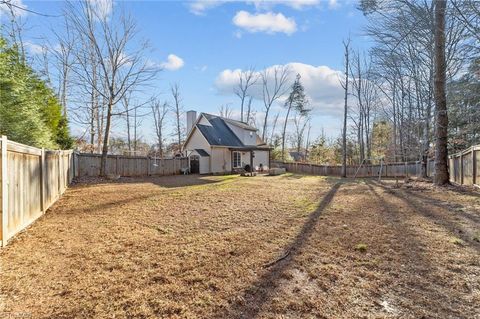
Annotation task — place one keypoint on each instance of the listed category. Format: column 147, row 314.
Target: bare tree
column 121, row 69
column 274, row 126
column 177, row 109
column 441, row 120
column 346, row 45
column 247, row 79
column 126, row 105
column 249, row 109
column 225, row 111
column 365, row 91
column 64, row 60
column 300, row 122
column 15, row 31
column 275, row 85
column 307, row 143
column 159, row 112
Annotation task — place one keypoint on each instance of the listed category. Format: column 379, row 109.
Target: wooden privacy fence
column 89, row 165
column 463, row 166
column 406, row 169
column 32, row 179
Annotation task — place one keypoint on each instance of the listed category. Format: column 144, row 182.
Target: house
column 218, row 145
column 297, row 156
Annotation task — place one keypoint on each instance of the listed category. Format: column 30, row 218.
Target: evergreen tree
column 29, row 110
column 464, row 109
column 296, row 100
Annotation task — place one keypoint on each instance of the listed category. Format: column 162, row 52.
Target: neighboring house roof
column 297, row 155
column 202, row 152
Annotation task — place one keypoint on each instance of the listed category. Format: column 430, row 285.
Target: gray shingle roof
column 219, row 133
column 202, row 152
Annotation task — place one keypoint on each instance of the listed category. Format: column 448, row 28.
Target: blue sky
column 208, row 40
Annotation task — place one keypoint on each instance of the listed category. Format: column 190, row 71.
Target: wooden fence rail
column 463, row 168
column 406, row 169
column 32, row 179
column 89, row 165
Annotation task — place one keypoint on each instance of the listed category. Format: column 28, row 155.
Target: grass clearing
column 236, row 247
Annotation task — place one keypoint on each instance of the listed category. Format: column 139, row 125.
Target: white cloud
column 321, row 84
column 34, row 48
column 332, row 4
column 173, row 63
column 201, row 68
column 265, row 22
column 102, row 8
column 295, row 4
column 17, row 6
column 200, row 7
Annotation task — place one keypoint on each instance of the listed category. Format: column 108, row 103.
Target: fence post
column 474, row 166
column 148, row 166
column 4, row 190
column 461, row 168
column 42, row 181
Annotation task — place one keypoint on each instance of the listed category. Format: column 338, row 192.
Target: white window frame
column 239, row 159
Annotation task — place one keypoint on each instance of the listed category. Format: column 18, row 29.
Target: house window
column 237, row 159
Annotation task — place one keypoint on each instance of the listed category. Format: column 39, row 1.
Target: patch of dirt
column 196, row 247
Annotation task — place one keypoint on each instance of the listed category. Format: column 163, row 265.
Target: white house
column 216, row 145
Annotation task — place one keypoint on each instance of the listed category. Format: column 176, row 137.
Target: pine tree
column 29, row 110
column 296, row 100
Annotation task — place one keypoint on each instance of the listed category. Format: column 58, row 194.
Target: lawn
column 288, row 246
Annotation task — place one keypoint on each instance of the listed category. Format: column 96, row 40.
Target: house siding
column 221, row 160
column 198, row 141
column 261, row 157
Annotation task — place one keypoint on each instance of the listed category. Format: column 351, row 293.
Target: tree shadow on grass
column 445, row 219
column 418, row 282
column 252, row 300
column 172, row 181
column 445, row 205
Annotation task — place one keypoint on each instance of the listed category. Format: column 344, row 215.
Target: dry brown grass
column 203, row 247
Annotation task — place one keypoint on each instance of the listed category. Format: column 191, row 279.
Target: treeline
column 390, row 90
column 395, row 79
column 30, row 112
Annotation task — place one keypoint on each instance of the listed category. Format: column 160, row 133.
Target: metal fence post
column 4, row 190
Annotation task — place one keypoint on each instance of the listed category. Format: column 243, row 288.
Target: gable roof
column 240, row 124
column 218, row 133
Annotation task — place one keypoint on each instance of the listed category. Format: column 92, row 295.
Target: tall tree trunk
column 264, row 131
column 344, row 133
column 103, row 163
column 249, row 109
column 241, row 108
column 441, row 132
column 285, row 131
column 129, row 139
column 92, row 128
column 135, row 131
